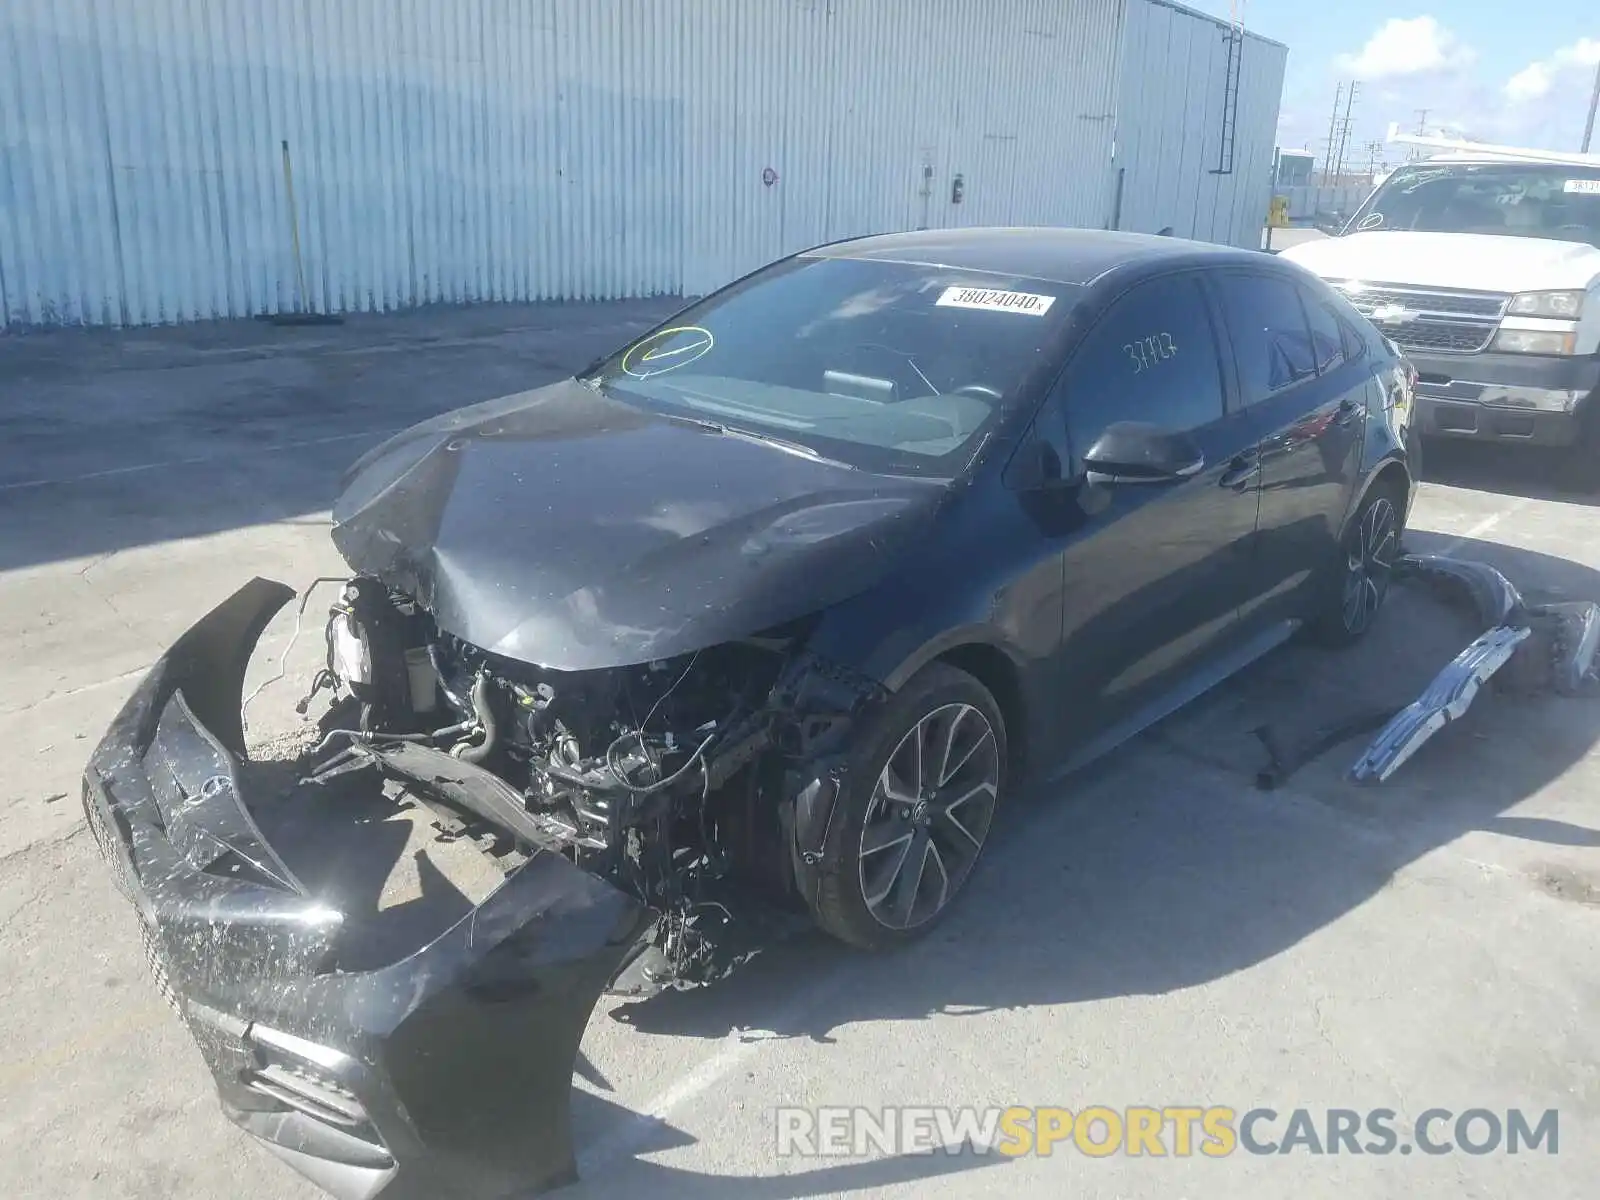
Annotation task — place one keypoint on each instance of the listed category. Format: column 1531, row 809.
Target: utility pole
column 1422, row 120
column 1344, row 130
column 1327, row 161
column 1594, row 103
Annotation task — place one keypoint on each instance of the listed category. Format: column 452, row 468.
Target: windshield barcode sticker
column 993, row 301
column 1586, row 187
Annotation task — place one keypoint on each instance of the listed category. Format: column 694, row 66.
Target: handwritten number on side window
column 1149, row 351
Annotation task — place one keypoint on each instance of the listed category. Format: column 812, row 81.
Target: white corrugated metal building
column 174, row 160
column 1174, row 156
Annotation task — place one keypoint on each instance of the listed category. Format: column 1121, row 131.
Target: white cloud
column 1536, row 79
column 1401, row 46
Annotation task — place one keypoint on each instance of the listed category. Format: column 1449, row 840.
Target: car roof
column 1057, row 255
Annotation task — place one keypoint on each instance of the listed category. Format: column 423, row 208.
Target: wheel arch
column 1391, row 474
column 998, row 667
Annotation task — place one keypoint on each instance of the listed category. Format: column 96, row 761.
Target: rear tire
column 1358, row 580
column 925, row 779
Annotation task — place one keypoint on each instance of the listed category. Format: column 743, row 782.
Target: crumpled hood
column 1470, row 261
column 564, row 528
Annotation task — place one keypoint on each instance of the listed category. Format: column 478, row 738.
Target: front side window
column 898, row 368
column 1151, row 358
column 1272, row 342
column 1519, row 199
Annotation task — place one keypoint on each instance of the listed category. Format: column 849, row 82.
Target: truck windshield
column 1561, row 202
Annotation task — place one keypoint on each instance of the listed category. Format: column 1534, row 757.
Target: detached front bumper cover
column 444, row 1075
column 1551, row 646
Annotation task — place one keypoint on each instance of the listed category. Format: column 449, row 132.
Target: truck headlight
column 1534, row 341
column 1547, row 304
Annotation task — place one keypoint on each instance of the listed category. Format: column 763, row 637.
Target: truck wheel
column 1581, row 470
column 925, row 780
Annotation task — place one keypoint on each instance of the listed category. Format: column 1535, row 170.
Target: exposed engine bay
column 677, row 781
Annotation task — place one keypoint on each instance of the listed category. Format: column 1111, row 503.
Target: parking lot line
column 633, row 1131
column 1481, row 528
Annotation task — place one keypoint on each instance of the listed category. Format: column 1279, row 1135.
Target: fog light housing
column 1534, row 341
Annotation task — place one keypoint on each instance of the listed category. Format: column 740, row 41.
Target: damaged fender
column 446, row 1074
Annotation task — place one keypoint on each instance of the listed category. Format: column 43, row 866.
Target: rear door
column 1307, row 405
column 1153, row 583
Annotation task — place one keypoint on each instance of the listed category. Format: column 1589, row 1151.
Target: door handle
column 1243, row 470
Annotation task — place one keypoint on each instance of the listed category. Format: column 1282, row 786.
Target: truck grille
column 1449, row 339
column 1430, row 319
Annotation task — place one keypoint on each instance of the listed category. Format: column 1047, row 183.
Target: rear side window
column 1327, row 339
column 1271, row 340
column 1355, row 346
column 1354, row 329
column 1152, row 357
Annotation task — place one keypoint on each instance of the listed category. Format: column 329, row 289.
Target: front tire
column 1359, row 580
column 925, row 780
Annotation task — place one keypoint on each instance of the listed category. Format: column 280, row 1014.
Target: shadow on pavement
column 1531, row 472
column 629, row 1174
column 1164, row 868
column 115, row 439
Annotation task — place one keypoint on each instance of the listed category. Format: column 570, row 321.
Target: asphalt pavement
column 1157, row 932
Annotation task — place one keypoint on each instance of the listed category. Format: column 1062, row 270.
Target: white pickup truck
column 1485, row 270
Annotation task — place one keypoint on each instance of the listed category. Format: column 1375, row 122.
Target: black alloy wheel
column 925, row 782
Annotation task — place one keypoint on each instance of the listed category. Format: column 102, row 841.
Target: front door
column 1154, row 581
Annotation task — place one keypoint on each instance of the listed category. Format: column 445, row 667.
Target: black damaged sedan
column 769, row 612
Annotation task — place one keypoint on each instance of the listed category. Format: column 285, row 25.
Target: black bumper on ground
column 1505, row 397
column 445, row 1074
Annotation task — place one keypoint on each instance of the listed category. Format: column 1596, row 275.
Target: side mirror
column 1136, row 452
column 1329, row 223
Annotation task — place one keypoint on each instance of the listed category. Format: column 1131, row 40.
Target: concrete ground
column 1157, row 933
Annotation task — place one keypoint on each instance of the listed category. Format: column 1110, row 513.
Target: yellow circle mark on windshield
column 667, row 350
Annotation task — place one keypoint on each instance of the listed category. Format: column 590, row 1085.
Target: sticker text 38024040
column 993, row 300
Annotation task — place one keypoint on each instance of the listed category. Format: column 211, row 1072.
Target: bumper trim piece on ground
column 1556, row 647
column 447, row 1073
column 1445, row 699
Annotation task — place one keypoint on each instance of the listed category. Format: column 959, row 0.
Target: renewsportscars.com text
column 1178, row 1131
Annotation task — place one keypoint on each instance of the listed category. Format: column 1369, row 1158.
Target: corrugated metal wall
column 461, row 150
column 1170, row 126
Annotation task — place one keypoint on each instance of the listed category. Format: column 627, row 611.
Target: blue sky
column 1497, row 71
